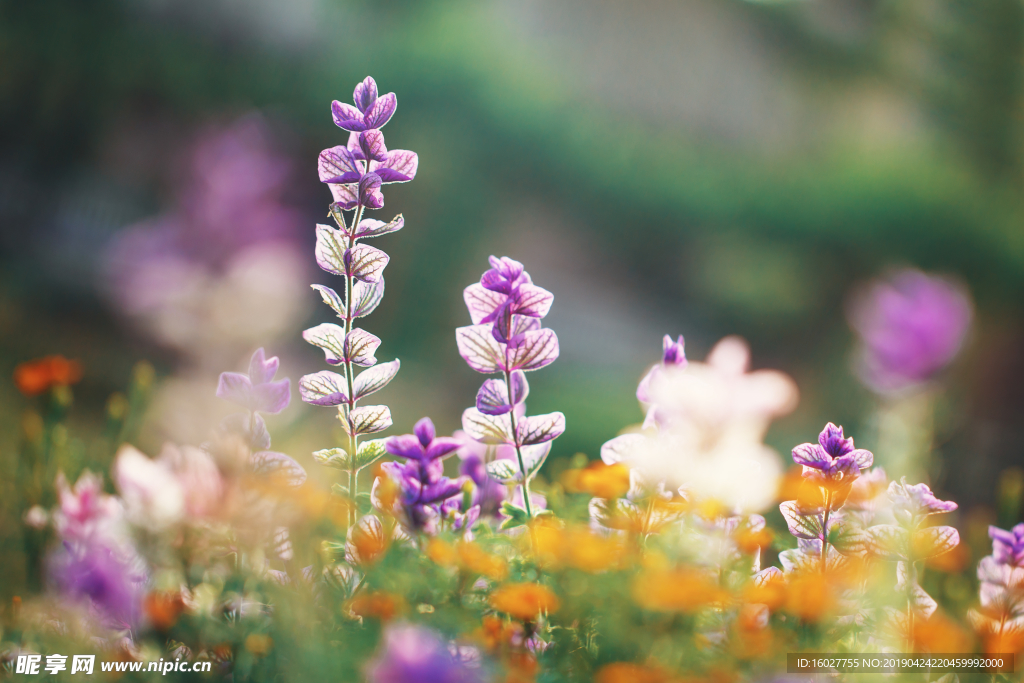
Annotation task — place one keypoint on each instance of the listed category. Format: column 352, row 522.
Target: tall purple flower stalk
column 506, row 337
column 355, row 173
column 1001, row 617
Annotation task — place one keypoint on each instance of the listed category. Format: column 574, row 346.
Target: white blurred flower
column 710, row 419
column 151, row 493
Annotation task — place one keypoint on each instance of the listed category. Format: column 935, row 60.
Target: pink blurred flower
column 911, row 326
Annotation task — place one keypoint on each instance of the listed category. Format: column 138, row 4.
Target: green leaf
column 337, row 458
column 370, row 452
column 516, row 516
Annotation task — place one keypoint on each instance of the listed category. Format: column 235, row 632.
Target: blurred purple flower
column 424, row 488
column 85, row 511
column 111, row 578
column 833, row 454
column 414, row 654
column 911, row 326
column 1008, row 546
column 913, row 502
column 256, row 391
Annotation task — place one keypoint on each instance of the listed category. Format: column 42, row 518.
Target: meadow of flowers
column 456, row 559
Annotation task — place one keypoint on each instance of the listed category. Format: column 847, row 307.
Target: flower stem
column 824, row 531
column 519, row 453
column 353, row 440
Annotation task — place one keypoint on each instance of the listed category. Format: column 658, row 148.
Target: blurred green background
column 696, row 167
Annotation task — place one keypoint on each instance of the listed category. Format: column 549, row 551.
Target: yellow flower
column 525, row 601
column 598, row 479
column 475, row 560
column 593, row 552
column 678, row 590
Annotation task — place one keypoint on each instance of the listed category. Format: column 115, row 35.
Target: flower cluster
column 506, row 337
column 427, row 496
column 1000, row 618
column 355, row 173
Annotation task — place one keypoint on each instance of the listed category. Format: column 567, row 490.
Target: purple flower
column 913, row 502
column 911, row 326
column 488, row 494
column 833, row 454
column 370, row 111
column 504, row 293
column 345, row 167
column 256, row 391
column 424, row 488
column 85, row 512
column 672, row 355
column 414, row 654
column 1008, row 546
column 110, row 577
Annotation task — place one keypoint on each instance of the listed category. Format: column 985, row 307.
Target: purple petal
column 492, row 399
column 400, row 166
column 673, row 352
column 442, row 446
column 380, row 111
column 536, row 349
column 338, row 162
column 424, row 431
column 532, row 301
column 370, row 195
column 365, row 94
column 405, row 446
column 831, row 439
column 324, row 388
column 235, row 387
column 273, row 397
column 520, row 387
column 371, row 143
column 348, row 117
column 863, row 458
column 494, row 281
column 479, row 349
column 811, row 455
column 482, row 302
column 446, row 488
column 540, row 428
column 345, row 196
column 261, row 369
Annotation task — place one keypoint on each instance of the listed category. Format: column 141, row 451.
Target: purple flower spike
column 422, row 445
column 370, row 111
column 414, row 654
column 673, row 351
column 911, row 327
column 833, row 454
column 256, row 391
column 370, row 195
column 505, row 275
column 1008, row 546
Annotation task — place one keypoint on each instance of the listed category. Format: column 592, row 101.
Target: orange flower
column 811, row 596
column 36, row 376
column 598, row 479
column 476, row 561
column 495, row 632
column 679, row 590
column 163, row 609
column 593, row 552
column 524, row 601
column 626, row 672
column 939, row 633
column 952, row 561
column 379, row 605
column 771, row 592
column 751, row 541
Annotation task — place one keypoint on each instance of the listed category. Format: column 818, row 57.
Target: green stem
column 824, row 531
column 519, row 453
column 353, row 440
